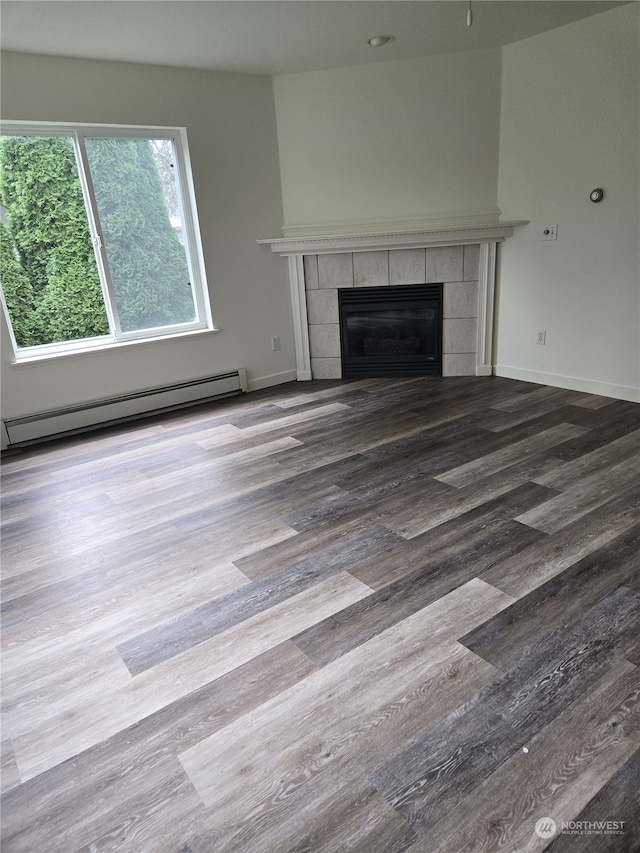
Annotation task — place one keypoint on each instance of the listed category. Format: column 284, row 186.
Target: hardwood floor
column 374, row 616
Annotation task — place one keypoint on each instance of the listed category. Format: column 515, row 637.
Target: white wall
column 230, row 121
column 412, row 138
column 569, row 123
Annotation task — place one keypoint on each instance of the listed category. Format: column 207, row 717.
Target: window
column 98, row 237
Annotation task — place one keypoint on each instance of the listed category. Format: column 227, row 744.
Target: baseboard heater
column 72, row 419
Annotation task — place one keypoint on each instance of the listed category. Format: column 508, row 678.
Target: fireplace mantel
column 426, row 237
column 485, row 235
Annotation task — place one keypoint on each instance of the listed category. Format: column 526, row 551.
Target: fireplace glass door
column 391, row 331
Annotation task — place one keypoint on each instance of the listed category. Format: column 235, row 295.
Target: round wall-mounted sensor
column 597, row 194
column 378, row 41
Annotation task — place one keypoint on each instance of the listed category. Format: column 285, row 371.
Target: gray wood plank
column 549, row 607
column 554, row 779
column 425, row 782
column 337, row 635
column 213, row 617
column 618, row 802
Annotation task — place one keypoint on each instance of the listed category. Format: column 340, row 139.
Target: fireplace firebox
column 391, row 331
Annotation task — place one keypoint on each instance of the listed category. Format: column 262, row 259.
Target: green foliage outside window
column 147, row 262
column 49, row 274
column 18, row 293
column 48, row 230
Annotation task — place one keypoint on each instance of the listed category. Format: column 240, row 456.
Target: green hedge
column 47, row 263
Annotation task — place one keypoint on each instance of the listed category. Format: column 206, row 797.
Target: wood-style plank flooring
column 375, row 616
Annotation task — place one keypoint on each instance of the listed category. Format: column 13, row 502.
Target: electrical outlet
column 541, row 337
column 275, row 344
column 550, row 232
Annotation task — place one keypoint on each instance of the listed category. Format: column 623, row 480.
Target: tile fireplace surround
column 462, row 258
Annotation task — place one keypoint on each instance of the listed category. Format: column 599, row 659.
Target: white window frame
column 190, row 226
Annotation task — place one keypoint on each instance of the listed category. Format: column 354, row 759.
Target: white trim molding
column 396, row 224
column 486, row 290
column 300, row 322
column 573, row 383
column 424, row 238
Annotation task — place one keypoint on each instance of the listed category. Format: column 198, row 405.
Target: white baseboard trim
column 571, row 383
column 484, row 370
column 274, row 379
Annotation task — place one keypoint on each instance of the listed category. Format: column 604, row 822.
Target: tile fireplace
column 461, row 258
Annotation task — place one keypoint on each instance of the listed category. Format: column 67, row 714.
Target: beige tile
column 322, row 306
column 335, row 270
column 310, row 271
column 324, row 341
column 471, row 263
column 326, row 368
column 407, row 266
column 460, row 299
column 370, row 269
column 444, row 263
column 459, row 336
column 459, row 364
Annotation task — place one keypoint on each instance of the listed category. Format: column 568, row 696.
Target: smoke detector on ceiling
column 378, row 41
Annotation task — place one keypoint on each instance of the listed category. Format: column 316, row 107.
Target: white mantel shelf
column 437, row 236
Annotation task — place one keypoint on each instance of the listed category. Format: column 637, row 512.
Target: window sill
column 111, row 346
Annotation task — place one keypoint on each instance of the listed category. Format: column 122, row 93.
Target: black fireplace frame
column 358, row 299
